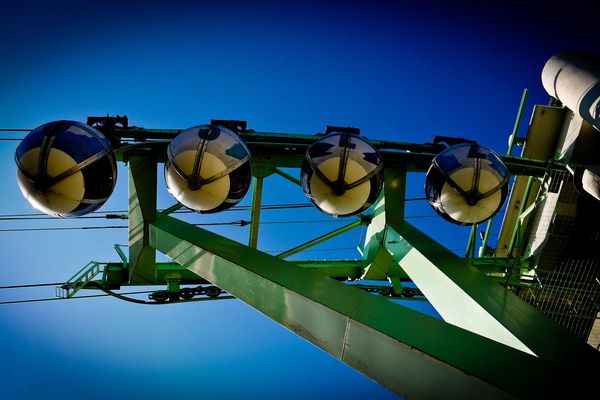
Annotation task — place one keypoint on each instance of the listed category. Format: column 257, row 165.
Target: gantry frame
column 487, row 331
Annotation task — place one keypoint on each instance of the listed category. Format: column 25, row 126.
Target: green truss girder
column 342, row 270
column 531, row 327
column 402, row 349
column 281, row 150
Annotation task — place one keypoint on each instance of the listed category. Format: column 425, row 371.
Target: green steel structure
column 490, row 344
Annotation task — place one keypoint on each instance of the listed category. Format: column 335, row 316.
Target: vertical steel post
column 472, row 243
column 395, row 190
column 519, row 222
column 255, row 214
column 142, row 211
column 172, row 209
column 512, row 141
column 511, row 144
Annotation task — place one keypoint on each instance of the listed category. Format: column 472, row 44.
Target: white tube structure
column 574, row 79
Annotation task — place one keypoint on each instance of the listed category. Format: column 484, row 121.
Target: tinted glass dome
column 467, row 184
column 208, row 168
column 66, row 168
column 342, row 174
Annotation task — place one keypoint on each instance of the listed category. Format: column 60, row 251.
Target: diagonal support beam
column 412, row 354
column 467, row 298
column 287, row 176
column 322, row 238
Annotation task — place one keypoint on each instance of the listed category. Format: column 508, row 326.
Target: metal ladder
column 78, row 281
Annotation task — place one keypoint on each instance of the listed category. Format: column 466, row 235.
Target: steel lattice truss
column 491, row 344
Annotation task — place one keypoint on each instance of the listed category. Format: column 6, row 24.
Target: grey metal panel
column 544, row 131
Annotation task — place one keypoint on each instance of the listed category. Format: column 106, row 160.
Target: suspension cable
column 183, row 211
column 31, row 285
column 69, row 298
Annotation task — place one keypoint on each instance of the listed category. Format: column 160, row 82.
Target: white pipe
column 574, row 79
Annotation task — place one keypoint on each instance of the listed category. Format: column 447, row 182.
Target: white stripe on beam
column 453, row 304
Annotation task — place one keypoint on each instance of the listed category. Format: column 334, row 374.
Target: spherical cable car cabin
column 66, row 168
column 342, row 174
column 208, row 168
column 467, row 184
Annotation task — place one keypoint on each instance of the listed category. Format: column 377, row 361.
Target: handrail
column 78, row 281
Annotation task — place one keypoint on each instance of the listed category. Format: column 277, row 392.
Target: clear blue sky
column 404, row 72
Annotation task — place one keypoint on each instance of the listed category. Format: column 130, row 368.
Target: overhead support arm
column 287, row 151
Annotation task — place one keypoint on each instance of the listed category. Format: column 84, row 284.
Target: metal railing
column 83, row 277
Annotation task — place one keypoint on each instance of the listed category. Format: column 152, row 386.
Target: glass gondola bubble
column 208, row 168
column 66, row 168
column 467, row 184
column 342, row 174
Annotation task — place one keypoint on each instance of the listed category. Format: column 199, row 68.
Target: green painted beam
column 380, row 265
column 466, row 297
column 512, row 140
column 287, row 176
column 255, row 213
column 499, row 264
column 412, row 354
column 122, row 256
column 471, row 242
column 322, row 238
column 173, row 208
column 115, row 275
column 460, row 293
column 374, row 235
column 394, row 189
column 337, row 269
column 281, row 150
column 514, row 239
column 142, row 210
column 168, row 271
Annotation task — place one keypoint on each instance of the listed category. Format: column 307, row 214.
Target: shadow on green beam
column 544, row 337
column 389, row 342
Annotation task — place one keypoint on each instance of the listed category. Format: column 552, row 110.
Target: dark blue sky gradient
column 404, row 71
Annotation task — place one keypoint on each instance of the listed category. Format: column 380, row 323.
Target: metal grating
column 569, row 295
column 568, row 268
